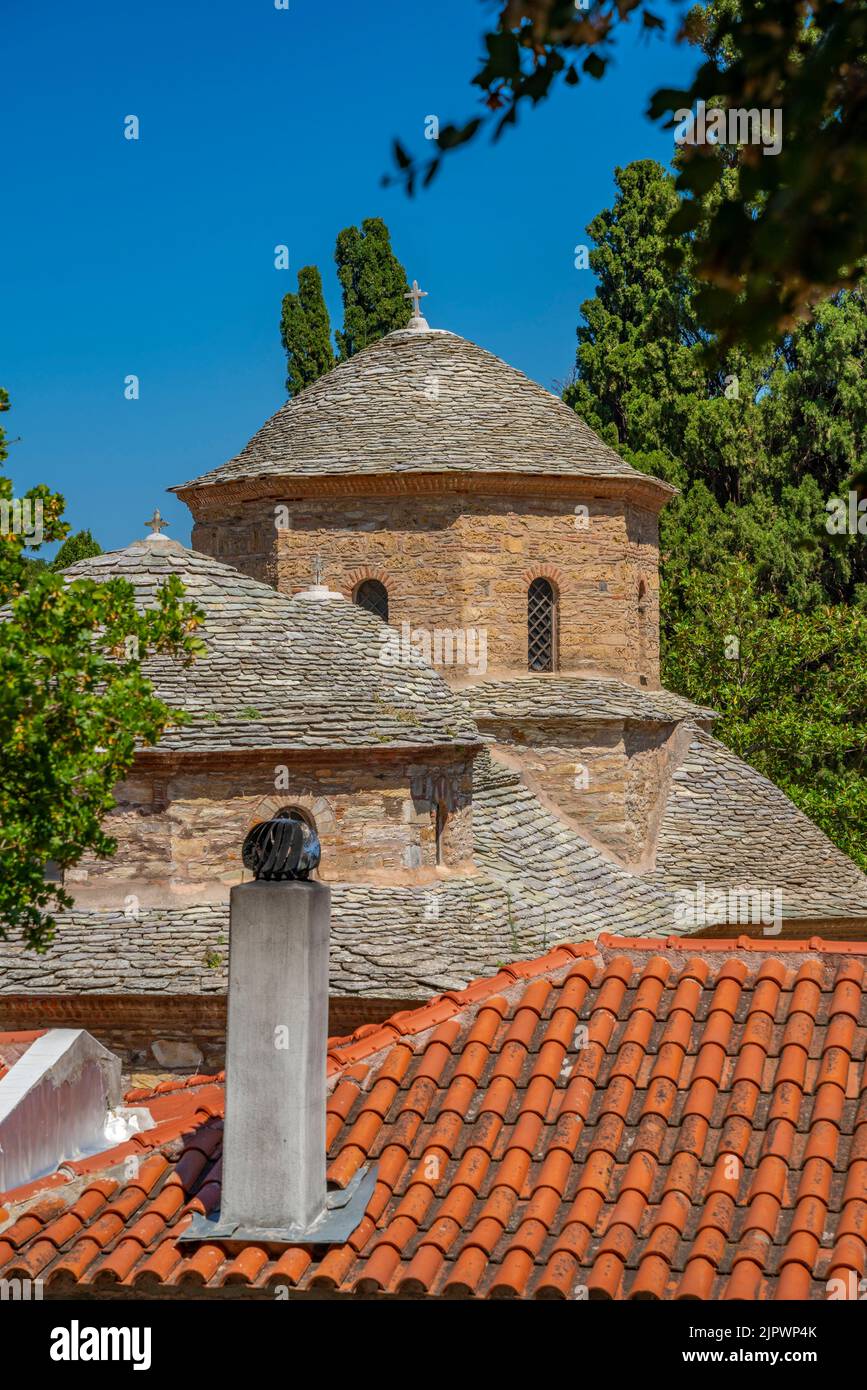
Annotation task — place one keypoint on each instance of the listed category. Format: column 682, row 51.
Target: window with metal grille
column 541, row 626
column 374, row 597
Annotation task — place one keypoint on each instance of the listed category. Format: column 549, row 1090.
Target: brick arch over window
column 316, row 810
column 357, row 576
column 542, row 605
column 551, row 572
column 370, row 590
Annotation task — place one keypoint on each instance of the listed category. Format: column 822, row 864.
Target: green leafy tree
column 81, row 546
column 757, row 446
column 73, row 704
column 374, row 284
column 636, row 343
column 305, row 332
column 791, row 689
column 792, row 228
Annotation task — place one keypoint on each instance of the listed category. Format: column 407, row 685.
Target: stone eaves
column 554, row 697
column 423, row 403
column 538, row 883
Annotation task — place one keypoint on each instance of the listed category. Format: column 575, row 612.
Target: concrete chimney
column 274, row 1136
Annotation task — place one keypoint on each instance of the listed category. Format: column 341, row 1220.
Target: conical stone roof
column 282, row 673
column 423, row 401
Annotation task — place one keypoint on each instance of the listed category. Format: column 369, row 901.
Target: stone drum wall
column 180, row 828
column 463, row 558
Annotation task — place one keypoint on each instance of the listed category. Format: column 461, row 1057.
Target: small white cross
column 317, row 570
column 415, row 294
column 156, row 522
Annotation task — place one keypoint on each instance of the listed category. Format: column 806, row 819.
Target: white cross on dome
column 156, row 523
column 416, row 295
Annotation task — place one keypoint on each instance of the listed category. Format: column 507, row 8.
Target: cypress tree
column 374, row 284
column 305, row 331
column 81, row 546
column 757, row 449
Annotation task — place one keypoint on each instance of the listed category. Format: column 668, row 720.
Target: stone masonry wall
column 607, row 776
column 178, row 1032
column 180, row 831
column 458, row 560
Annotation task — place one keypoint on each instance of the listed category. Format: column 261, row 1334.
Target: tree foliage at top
column 757, row 445
column 80, row 546
column 791, row 689
column 305, row 331
column 792, row 228
column 374, row 284
column 73, row 704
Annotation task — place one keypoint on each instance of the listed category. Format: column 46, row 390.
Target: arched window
column 374, row 597
column 541, row 626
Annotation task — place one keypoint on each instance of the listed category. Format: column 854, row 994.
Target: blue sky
column 258, row 127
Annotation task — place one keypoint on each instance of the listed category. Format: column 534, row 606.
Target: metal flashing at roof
column 54, row 1103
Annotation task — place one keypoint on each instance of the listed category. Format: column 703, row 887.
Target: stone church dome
column 422, row 400
column 306, row 672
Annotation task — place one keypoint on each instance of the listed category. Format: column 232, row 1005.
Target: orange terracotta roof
column 640, row 1119
column 13, row 1046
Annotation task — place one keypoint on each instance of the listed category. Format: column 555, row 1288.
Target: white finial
column 415, row 294
column 156, row 523
column 318, row 589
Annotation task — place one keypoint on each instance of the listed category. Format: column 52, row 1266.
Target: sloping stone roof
column 422, row 402
column 539, row 883
column 726, row 825
column 282, row 672
column 576, row 697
